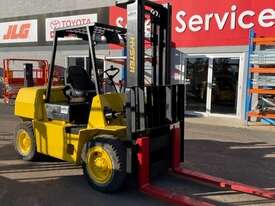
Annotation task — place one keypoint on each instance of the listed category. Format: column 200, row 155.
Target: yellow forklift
column 111, row 134
column 77, row 122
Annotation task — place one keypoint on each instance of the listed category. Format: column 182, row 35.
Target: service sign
column 67, row 21
column 18, row 31
column 213, row 23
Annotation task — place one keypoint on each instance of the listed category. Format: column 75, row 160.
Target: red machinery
column 21, row 73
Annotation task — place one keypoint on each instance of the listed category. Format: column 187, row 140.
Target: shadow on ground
column 53, row 182
column 252, row 163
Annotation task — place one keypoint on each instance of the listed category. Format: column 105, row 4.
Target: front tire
column 24, row 141
column 104, row 165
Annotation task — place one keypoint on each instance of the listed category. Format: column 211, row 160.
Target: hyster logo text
column 132, row 43
column 16, row 31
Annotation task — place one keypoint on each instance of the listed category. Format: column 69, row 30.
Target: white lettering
column 241, row 19
column 180, row 20
column 221, row 22
column 207, row 21
column 119, row 21
column 267, row 14
column 233, row 17
column 195, row 22
column 147, row 27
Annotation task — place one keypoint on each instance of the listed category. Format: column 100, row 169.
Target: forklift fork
column 211, row 180
column 146, row 187
column 181, row 199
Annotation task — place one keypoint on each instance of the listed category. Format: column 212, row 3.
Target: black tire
column 117, row 153
column 28, row 128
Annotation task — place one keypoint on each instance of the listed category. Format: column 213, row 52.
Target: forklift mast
column 159, row 39
column 159, row 104
column 151, row 109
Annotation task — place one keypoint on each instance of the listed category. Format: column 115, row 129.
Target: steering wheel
column 110, row 76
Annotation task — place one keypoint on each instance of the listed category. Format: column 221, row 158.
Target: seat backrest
column 79, row 79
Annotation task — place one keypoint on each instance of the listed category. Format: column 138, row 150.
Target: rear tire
column 24, row 141
column 104, row 163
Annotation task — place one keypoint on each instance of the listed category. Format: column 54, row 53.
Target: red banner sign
column 213, row 23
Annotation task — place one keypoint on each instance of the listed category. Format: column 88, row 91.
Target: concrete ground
column 240, row 154
column 229, row 122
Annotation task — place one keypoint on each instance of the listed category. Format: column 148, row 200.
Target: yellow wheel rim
column 99, row 165
column 23, row 142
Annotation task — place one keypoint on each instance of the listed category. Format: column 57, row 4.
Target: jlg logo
column 16, row 31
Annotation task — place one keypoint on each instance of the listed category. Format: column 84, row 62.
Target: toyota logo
column 55, row 24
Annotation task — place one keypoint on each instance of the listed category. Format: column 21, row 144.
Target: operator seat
column 79, row 87
column 80, row 90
